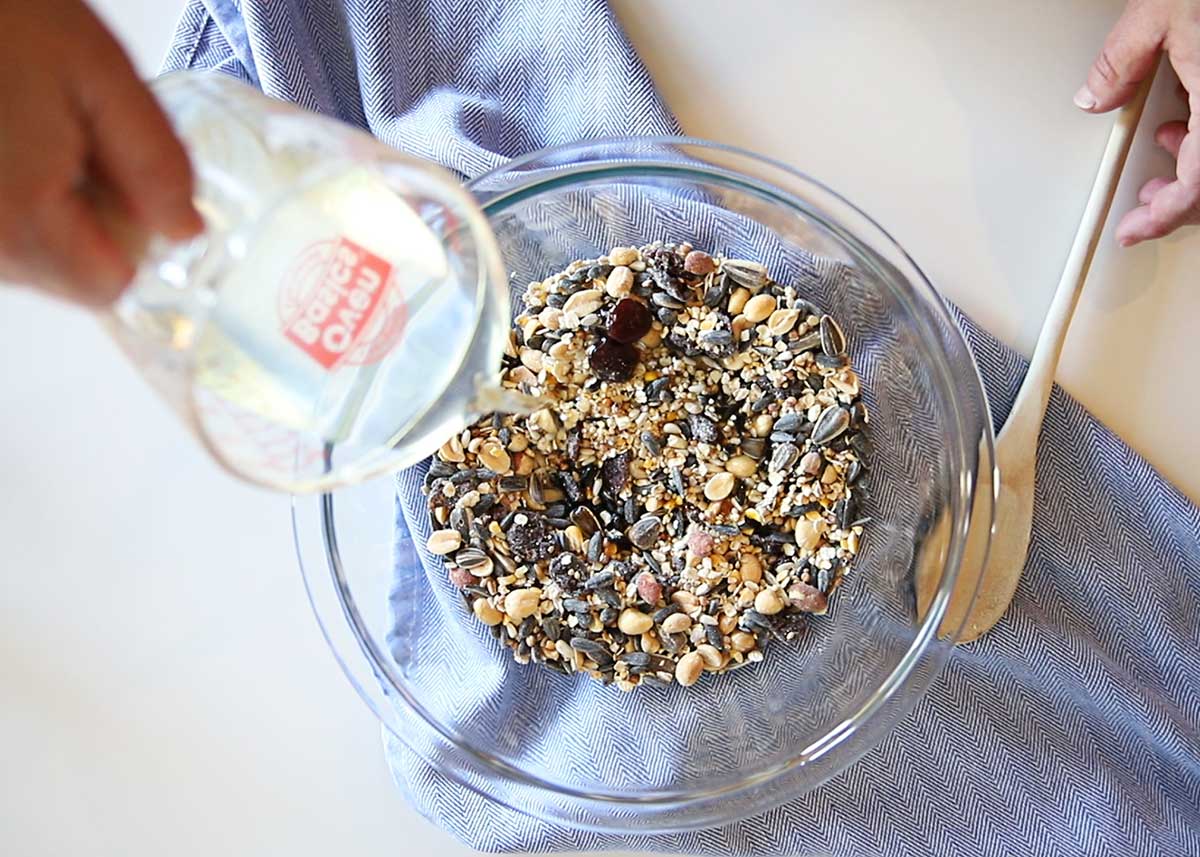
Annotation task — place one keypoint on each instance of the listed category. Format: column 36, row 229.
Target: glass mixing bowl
column 740, row 743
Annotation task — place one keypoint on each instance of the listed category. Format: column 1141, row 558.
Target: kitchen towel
column 1073, row 728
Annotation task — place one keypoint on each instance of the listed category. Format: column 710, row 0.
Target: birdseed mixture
column 690, row 493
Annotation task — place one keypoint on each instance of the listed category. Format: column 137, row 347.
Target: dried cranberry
column 615, row 472
column 629, row 321
column 613, row 361
column 532, row 540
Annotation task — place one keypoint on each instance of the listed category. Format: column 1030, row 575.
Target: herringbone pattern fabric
column 1073, row 729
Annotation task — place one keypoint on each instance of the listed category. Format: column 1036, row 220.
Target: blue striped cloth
column 1073, row 728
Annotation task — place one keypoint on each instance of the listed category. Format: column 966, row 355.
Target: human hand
column 79, row 133
column 1130, row 54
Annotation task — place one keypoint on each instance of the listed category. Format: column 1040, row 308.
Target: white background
column 163, row 687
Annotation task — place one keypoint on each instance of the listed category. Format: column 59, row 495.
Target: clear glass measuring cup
column 335, row 317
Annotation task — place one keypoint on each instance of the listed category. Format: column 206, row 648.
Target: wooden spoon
column 1016, row 447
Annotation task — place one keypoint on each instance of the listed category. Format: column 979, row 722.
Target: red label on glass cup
column 339, row 304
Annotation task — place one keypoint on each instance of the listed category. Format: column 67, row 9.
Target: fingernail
column 1085, row 99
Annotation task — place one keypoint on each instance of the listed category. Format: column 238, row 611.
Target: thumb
column 1130, row 53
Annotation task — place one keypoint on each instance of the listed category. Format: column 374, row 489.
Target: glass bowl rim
column 963, row 508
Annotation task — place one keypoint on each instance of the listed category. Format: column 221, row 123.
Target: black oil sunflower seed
column 669, row 610
column 715, row 638
column 599, row 579
column 651, row 442
column 595, row 546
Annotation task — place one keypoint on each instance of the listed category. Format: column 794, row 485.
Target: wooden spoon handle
column 1025, row 420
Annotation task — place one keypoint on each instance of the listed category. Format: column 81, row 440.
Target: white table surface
column 163, row 687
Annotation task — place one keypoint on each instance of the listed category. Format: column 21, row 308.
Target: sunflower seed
column 463, row 477
column 833, row 340
column 595, row 546
column 752, row 275
column 678, row 290
column 663, row 613
column 783, row 457
column 762, row 403
column 652, row 444
column 645, row 532
column 805, row 343
column 485, row 504
column 636, row 659
column 848, row 511
column 854, row 472
column 665, row 301
column 655, row 388
column 462, row 519
column 826, row 362
column 475, row 561
column 754, row 447
column 790, row 423
column 552, row 628
column 596, row 651
column 715, row 339
column 599, row 580
column 527, row 627
column 859, row 443
column 715, row 638
column 832, row 422
column 585, row 519
column 752, row 620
